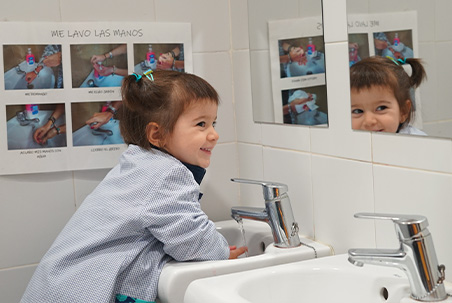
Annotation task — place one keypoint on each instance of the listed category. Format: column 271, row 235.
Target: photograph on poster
column 32, row 66
column 301, row 56
column 305, row 105
column 395, row 44
column 358, row 47
column 32, row 126
column 96, row 123
column 98, row 65
column 158, row 56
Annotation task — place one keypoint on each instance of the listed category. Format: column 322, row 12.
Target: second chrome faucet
column 416, row 256
column 277, row 213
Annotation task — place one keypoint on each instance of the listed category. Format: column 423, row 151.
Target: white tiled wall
column 332, row 173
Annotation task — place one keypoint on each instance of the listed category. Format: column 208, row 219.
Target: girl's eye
column 380, row 108
column 214, row 123
column 357, row 111
column 202, row 124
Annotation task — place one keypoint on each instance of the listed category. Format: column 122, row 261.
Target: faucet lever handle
column 271, row 189
column 406, row 225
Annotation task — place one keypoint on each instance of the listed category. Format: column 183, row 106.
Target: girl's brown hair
column 385, row 72
column 161, row 100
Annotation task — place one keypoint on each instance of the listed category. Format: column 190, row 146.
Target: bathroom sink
column 176, row 276
column 15, row 78
column 329, row 279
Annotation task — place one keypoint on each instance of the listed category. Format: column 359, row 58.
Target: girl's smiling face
column 376, row 109
column 194, row 136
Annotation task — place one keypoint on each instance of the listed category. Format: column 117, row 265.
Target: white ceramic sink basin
column 176, row 276
column 330, row 279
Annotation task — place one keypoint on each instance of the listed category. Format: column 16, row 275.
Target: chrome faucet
column 416, row 256
column 277, row 213
column 23, row 119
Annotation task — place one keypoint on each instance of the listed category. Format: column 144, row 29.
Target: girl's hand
column 235, row 252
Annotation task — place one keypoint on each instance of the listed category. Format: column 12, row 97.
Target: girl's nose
column 213, row 135
column 369, row 120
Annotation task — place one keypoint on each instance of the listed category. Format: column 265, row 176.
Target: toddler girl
column 146, row 211
column 381, row 94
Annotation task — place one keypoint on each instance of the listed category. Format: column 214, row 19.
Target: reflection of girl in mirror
column 382, row 94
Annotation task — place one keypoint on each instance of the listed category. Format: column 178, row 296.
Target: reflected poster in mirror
column 287, row 62
column 297, row 61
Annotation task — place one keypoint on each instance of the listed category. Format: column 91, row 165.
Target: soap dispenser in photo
column 30, row 58
column 32, row 111
column 150, row 59
column 96, row 72
column 311, row 47
column 396, row 41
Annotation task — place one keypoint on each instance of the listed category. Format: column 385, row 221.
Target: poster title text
column 98, row 33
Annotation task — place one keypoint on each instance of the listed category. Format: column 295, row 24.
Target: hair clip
column 138, row 77
column 392, row 59
column 402, row 61
column 398, row 60
column 149, row 73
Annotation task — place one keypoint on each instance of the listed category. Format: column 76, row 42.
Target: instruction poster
column 297, row 63
column 60, row 88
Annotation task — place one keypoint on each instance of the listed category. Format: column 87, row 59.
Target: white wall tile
column 357, row 7
column 443, row 50
column 408, row 191
column 23, row 11
column 14, row 281
column 247, row 130
column 239, row 24
column 220, row 194
column 107, row 10
column 340, row 189
column 294, row 169
column 413, row 151
column 34, row 209
column 209, row 19
column 286, row 136
column 429, row 89
column 251, row 166
column 216, row 68
column 443, row 20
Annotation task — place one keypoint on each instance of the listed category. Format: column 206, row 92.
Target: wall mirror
column 419, row 29
column 287, row 56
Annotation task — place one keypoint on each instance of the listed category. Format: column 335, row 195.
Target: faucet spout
column 252, row 213
column 277, row 213
column 416, row 256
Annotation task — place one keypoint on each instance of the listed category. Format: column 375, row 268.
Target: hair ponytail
column 418, row 73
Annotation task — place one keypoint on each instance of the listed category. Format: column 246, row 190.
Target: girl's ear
column 153, row 134
column 405, row 111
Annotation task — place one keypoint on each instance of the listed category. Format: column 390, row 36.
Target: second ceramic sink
column 176, row 276
column 331, row 279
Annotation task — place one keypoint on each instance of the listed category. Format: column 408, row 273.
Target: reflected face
column 376, row 109
column 194, row 136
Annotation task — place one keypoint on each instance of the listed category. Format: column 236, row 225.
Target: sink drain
column 384, row 293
